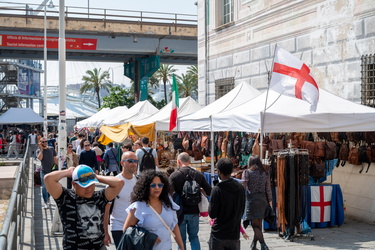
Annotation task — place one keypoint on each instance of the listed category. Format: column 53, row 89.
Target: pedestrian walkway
column 351, row 235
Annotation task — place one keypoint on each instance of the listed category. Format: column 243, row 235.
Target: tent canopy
column 94, row 120
column 20, row 116
column 187, row 106
column 200, row 120
column 287, row 114
column 139, row 111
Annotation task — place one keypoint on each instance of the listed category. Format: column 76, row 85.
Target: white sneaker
column 46, row 206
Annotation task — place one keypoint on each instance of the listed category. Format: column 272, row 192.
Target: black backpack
column 191, row 194
column 148, row 161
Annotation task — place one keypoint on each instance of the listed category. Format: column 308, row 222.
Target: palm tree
column 187, row 85
column 164, row 73
column 94, row 80
column 193, row 71
column 153, row 81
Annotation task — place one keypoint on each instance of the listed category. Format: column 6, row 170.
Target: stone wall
column 329, row 36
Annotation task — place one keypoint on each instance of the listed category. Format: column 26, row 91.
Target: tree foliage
column 187, row 85
column 118, row 96
column 164, row 74
column 95, row 81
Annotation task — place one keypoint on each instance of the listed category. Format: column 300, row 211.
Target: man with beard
column 82, row 209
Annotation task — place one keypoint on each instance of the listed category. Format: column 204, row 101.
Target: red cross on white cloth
column 321, row 197
column 292, row 77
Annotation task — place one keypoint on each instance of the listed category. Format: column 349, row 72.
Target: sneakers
column 46, row 206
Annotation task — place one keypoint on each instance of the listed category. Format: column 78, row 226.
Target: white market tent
column 200, row 120
column 186, row 106
column 20, row 116
column 94, row 120
column 139, row 111
column 287, row 114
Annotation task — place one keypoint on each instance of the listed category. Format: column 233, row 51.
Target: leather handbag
column 269, row 215
column 319, row 149
column 317, row 170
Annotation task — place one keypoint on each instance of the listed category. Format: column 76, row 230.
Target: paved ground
column 351, row 235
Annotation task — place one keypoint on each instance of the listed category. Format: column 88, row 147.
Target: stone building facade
column 236, row 42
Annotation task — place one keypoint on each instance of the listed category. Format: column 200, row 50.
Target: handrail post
column 141, row 19
column 175, row 22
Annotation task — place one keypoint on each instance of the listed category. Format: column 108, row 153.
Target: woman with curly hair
column 152, row 190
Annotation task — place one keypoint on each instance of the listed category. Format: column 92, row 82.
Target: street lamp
column 45, row 125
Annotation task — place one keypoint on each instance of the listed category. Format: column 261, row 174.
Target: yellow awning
column 120, row 132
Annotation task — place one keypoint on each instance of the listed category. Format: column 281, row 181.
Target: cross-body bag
column 165, row 224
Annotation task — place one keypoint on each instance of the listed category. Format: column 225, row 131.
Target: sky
column 75, row 70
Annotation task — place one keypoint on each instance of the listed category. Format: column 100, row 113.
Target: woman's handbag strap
column 165, row 224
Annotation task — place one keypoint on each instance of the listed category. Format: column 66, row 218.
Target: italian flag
column 175, row 104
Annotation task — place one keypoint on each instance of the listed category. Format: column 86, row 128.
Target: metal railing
column 30, row 10
column 11, row 232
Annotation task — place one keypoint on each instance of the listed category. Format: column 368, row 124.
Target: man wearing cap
column 118, row 214
column 81, row 209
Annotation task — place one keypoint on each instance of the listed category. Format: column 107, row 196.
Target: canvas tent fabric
column 120, row 132
column 74, row 108
column 138, row 111
column 288, row 114
column 20, row 116
column 200, row 120
column 94, row 120
column 187, row 106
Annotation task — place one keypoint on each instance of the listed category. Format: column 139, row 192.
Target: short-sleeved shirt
column 150, row 221
column 122, row 201
column 33, row 138
column 47, row 160
column 82, row 219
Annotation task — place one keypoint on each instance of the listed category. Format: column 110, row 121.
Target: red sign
column 37, row 42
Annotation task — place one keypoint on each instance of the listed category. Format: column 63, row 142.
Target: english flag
column 175, row 104
column 321, row 197
column 292, row 77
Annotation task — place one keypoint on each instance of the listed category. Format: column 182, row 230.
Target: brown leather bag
column 354, row 156
column 335, row 136
column 310, row 146
column 317, row 170
column 319, row 149
column 330, row 150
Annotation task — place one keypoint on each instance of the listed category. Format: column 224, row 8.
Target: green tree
column 193, row 72
column 164, row 73
column 118, row 96
column 187, row 85
column 94, row 80
column 153, row 81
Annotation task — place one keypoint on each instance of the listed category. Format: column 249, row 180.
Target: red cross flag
column 321, row 197
column 292, row 77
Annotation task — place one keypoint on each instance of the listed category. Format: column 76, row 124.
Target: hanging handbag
column 269, row 215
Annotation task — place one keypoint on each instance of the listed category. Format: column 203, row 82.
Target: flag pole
column 262, row 117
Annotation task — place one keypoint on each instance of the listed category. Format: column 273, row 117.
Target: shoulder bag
column 161, row 219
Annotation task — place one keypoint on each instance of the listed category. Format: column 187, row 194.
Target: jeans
column 13, row 148
column 191, row 225
column 116, row 235
column 45, row 194
column 216, row 244
column 33, row 148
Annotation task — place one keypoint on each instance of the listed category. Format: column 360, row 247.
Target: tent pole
column 212, row 154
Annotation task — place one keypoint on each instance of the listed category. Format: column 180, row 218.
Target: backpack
column 148, row 161
column 363, row 157
column 191, row 194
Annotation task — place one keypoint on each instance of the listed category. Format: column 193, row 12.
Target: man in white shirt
column 33, row 137
column 13, row 147
column 118, row 215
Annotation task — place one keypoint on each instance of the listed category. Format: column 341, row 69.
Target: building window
column 368, row 81
column 223, row 86
column 225, row 12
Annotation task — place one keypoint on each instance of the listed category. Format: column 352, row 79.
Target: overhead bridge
column 98, row 34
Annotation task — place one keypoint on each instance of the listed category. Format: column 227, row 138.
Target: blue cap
column 82, row 171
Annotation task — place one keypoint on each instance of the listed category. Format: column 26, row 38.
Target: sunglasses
column 159, row 185
column 43, row 141
column 70, row 147
column 86, row 178
column 131, row 160
column 88, row 145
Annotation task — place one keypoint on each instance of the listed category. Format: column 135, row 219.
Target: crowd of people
column 139, row 195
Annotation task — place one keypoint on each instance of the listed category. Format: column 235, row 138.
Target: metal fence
column 11, row 232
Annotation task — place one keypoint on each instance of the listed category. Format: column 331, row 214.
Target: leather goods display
column 363, row 158
column 310, row 146
column 330, row 150
column 319, row 150
column 317, row 170
column 353, row 157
